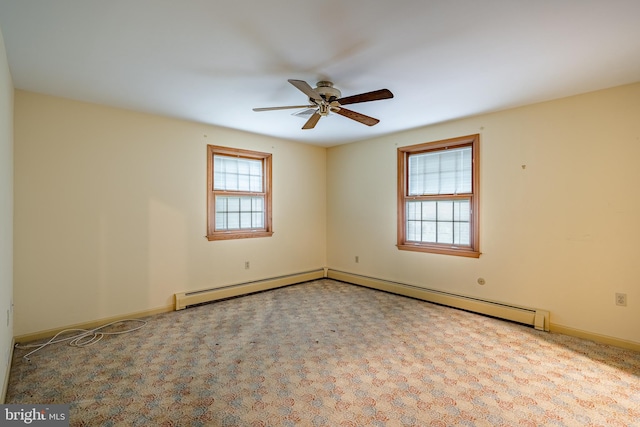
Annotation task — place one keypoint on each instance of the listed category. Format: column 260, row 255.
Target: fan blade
column 284, row 108
column 308, row 90
column 311, row 123
column 365, row 97
column 358, row 117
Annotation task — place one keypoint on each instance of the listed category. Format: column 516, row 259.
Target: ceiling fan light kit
column 325, row 99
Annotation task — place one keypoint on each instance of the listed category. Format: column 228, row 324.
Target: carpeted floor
column 326, row 353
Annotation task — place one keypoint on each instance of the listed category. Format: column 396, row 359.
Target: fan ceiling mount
column 325, row 99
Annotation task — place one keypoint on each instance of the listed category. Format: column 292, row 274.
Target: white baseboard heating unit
column 185, row 299
column 539, row 319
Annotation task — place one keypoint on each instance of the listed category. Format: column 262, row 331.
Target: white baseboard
column 91, row 324
column 591, row 336
column 184, row 299
column 530, row 316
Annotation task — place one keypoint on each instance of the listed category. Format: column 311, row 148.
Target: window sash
column 239, row 213
column 440, row 172
column 439, row 221
column 237, row 174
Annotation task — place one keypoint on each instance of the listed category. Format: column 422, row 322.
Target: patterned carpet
column 326, row 353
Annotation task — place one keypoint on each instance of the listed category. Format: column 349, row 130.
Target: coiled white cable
column 84, row 338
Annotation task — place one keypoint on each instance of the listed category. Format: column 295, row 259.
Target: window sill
column 238, row 235
column 465, row 252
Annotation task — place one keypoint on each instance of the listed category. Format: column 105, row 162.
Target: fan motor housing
column 326, row 90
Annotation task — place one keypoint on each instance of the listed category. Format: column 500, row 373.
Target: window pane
column 461, row 211
column 245, row 220
column 230, row 165
column 243, row 183
column 429, row 233
column 221, row 204
column 429, row 211
column 445, row 211
column 221, row 221
column 413, row 210
column 255, row 183
column 463, row 235
column 255, row 167
column 233, row 219
column 447, row 182
column 447, row 173
column 445, row 232
column 413, row 231
column 464, row 172
column 243, row 166
column 218, row 176
column 257, row 220
column 233, row 204
column 245, row 204
column 229, row 182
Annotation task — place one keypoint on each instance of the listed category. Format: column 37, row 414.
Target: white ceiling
column 213, row 61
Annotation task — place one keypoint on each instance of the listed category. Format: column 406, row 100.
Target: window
column 438, row 197
column 238, row 193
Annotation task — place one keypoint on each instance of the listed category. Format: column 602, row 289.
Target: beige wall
column 560, row 234
column 6, row 215
column 110, row 210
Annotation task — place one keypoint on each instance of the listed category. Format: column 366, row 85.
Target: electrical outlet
column 357, row 259
column 246, row 265
column 621, row 299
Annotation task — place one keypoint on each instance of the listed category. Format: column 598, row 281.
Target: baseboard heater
column 539, row 319
column 185, row 299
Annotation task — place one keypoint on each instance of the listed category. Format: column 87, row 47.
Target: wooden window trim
column 473, row 250
column 267, row 231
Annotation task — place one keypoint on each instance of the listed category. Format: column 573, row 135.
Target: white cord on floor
column 85, row 338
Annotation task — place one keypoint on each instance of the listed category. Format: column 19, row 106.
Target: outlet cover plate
column 621, row 299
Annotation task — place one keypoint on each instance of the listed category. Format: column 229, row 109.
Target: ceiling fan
column 324, row 98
